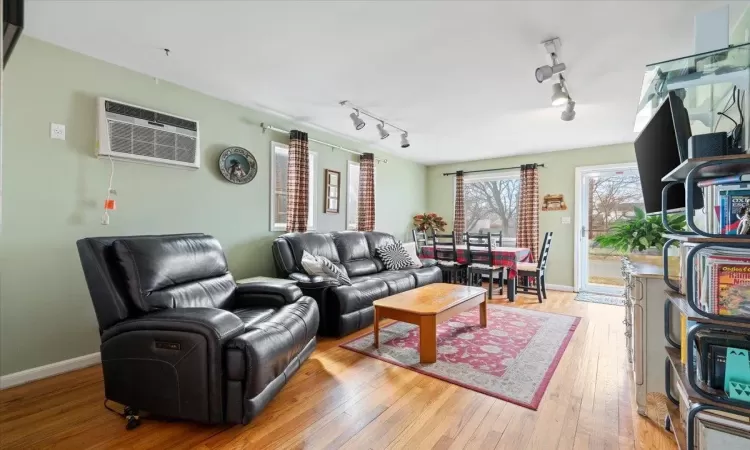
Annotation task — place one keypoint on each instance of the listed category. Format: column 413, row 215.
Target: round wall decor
column 238, row 165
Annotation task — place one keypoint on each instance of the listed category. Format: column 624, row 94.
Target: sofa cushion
column 426, row 275
column 354, row 253
column 397, row 280
column 359, row 295
column 252, row 316
column 317, row 244
column 376, row 239
column 174, row 272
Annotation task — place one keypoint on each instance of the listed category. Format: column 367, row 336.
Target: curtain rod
column 487, row 170
column 265, row 127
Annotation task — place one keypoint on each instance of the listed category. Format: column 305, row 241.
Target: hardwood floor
column 341, row 399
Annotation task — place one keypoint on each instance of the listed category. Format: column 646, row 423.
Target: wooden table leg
column 483, row 313
column 376, row 325
column 428, row 339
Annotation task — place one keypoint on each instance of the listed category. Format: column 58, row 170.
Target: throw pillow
column 321, row 266
column 334, row 271
column 394, row 256
column 411, row 250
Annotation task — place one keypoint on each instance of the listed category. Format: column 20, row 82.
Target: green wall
column 557, row 177
column 53, row 192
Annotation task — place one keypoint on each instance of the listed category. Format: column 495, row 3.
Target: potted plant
column 429, row 221
column 640, row 233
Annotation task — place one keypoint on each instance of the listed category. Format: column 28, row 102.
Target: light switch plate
column 565, row 220
column 57, row 131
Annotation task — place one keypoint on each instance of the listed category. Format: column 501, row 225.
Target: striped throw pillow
column 394, row 256
column 332, row 270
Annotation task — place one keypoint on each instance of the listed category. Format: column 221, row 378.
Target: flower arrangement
column 429, row 221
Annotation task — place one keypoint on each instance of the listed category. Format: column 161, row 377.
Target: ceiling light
column 358, row 123
column 383, row 132
column 404, row 140
column 546, row 72
column 559, row 97
column 569, row 113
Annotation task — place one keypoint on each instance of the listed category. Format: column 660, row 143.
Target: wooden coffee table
column 428, row 306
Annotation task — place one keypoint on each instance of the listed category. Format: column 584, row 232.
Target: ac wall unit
column 133, row 133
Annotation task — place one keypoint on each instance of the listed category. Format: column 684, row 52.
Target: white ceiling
column 458, row 75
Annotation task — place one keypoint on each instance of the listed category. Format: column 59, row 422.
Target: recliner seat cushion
column 359, row 295
column 174, row 272
column 252, row 316
column 426, row 275
column 397, row 281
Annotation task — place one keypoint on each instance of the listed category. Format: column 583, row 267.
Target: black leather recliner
column 180, row 339
column 346, row 309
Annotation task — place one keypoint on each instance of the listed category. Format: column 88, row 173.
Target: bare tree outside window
column 492, row 205
column 612, row 198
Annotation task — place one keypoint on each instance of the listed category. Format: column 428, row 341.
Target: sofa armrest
column 428, row 262
column 216, row 325
column 270, row 293
column 306, row 282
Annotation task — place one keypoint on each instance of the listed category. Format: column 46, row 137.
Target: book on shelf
column 722, row 281
column 733, row 204
column 724, row 180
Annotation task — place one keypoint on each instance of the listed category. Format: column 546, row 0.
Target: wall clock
column 238, row 165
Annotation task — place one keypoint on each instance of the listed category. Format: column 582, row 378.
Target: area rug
column 512, row 359
column 617, row 300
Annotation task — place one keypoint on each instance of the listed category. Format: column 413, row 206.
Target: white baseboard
column 37, row 373
column 560, row 287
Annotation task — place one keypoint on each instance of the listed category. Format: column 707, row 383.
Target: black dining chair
column 479, row 255
column 444, row 252
column 529, row 272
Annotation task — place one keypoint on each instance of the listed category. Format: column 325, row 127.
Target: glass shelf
column 708, row 80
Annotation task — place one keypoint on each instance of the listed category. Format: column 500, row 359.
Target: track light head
column 404, row 140
column 569, row 113
column 559, row 97
column 546, row 72
column 381, row 129
column 357, row 121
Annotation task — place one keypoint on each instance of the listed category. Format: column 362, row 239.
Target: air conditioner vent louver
column 134, row 133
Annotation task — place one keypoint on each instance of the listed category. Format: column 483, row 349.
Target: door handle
column 583, row 232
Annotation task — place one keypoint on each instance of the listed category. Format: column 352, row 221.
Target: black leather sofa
column 180, row 339
column 345, row 309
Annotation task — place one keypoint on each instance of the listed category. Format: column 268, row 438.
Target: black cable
column 727, row 107
column 724, row 115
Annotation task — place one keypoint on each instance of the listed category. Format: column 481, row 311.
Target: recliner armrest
column 428, row 262
column 217, row 325
column 266, row 293
column 305, row 281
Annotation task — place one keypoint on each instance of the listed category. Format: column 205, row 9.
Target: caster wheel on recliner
column 133, row 422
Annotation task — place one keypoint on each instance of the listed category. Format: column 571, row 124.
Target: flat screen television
column 657, row 153
column 12, row 26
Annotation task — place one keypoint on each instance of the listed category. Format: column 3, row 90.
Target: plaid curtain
column 297, row 184
column 528, row 215
column 366, row 207
column 459, row 222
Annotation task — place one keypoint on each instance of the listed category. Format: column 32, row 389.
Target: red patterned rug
column 512, row 359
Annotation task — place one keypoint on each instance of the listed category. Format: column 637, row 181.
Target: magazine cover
column 733, row 289
column 733, row 205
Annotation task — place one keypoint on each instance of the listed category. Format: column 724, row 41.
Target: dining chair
column 479, row 255
column 536, row 272
column 420, row 239
column 444, row 252
column 495, row 233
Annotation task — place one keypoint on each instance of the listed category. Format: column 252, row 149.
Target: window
column 352, row 194
column 279, row 177
column 491, row 204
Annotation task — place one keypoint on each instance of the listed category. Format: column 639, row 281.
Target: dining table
column 508, row 257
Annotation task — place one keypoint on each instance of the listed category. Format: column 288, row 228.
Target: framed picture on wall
column 332, row 180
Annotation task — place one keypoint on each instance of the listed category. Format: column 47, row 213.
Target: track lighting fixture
column 358, row 122
column 569, row 113
column 381, row 129
column 544, row 73
column 404, row 140
column 559, row 97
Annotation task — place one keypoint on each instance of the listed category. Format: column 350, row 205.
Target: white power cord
column 110, row 192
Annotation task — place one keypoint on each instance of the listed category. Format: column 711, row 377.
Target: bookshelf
column 698, row 394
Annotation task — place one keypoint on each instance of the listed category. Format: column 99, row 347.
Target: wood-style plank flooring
column 341, row 399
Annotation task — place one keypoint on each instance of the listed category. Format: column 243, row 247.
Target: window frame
column 473, row 178
column 312, row 216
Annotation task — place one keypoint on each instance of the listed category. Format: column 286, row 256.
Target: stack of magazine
column 722, row 281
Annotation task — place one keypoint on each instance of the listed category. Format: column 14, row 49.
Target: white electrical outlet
column 57, row 131
column 565, row 220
